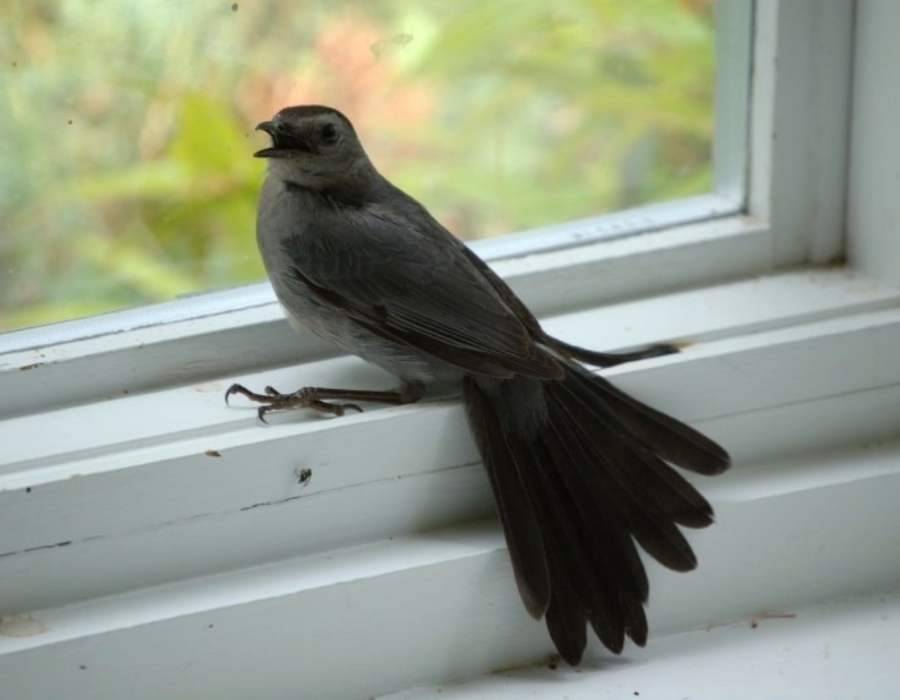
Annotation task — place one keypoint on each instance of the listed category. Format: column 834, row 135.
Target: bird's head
column 314, row 147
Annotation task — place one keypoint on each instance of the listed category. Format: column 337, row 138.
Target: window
column 129, row 178
column 204, row 552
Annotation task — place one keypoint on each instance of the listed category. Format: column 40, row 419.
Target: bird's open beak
column 274, row 151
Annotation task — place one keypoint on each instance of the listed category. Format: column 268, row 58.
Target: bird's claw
column 274, row 400
column 235, row 389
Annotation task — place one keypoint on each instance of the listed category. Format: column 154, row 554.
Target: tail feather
column 613, row 549
column 524, row 538
column 671, row 492
column 610, row 576
column 565, row 615
column 578, row 480
column 614, row 481
column 583, row 580
column 668, row 438
column 654, row 482
column 635, row 618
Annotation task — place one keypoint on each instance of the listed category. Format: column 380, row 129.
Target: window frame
column 802, row 43
column 791, row 364
column 531, row 261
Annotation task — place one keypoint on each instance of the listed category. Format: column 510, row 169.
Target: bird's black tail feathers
column 579, row 473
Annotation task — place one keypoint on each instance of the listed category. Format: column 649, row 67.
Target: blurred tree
column 125, row 127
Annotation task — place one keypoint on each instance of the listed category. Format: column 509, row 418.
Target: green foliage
column 125, row 128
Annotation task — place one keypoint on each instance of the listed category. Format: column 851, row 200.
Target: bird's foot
column 274, row 400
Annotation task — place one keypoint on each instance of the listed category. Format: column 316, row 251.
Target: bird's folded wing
column 418, row 288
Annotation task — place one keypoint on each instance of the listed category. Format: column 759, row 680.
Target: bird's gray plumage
column 372, row 259
column 578, row 468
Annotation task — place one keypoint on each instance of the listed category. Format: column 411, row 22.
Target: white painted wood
column 831, row 651
column 734, row 63
column 157, row 509
column 874, row 190
column 800, row 126
column 441, row 606
column 706, row 314
column 296, row 520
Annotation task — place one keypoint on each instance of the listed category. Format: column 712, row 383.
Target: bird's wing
column 412, row 285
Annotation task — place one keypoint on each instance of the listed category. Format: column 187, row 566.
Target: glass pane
column 126, row 174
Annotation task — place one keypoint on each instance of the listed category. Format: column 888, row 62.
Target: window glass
column 126, row 174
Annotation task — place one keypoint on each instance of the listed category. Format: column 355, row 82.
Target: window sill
column 829, row 651
column 775, row 366
column 119, row 421
column 159, row 538
column 449, row 595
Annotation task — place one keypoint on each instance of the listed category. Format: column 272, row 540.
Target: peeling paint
column 22, row 625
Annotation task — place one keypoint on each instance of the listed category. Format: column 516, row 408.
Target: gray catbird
column 578, row 468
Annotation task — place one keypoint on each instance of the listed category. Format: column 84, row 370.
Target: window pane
column 126, row 174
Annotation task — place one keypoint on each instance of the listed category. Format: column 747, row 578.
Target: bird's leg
column 315, row 397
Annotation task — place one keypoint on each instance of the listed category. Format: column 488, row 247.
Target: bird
column 581, row 472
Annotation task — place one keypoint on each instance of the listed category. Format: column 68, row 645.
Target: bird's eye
column 329, row 133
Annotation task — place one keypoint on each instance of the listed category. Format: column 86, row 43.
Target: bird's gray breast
column 286, row 214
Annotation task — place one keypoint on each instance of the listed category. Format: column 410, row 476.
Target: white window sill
column 124, row 540
column 440, row 606
column 829, row 651
column 702, row 316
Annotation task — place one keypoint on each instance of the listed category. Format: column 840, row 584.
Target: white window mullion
column 800, row 126
column 734, row 62
column 874, row 192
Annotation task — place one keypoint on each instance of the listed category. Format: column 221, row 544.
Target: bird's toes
column 232, row 390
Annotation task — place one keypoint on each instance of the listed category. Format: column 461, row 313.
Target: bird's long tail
column 580, row 474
